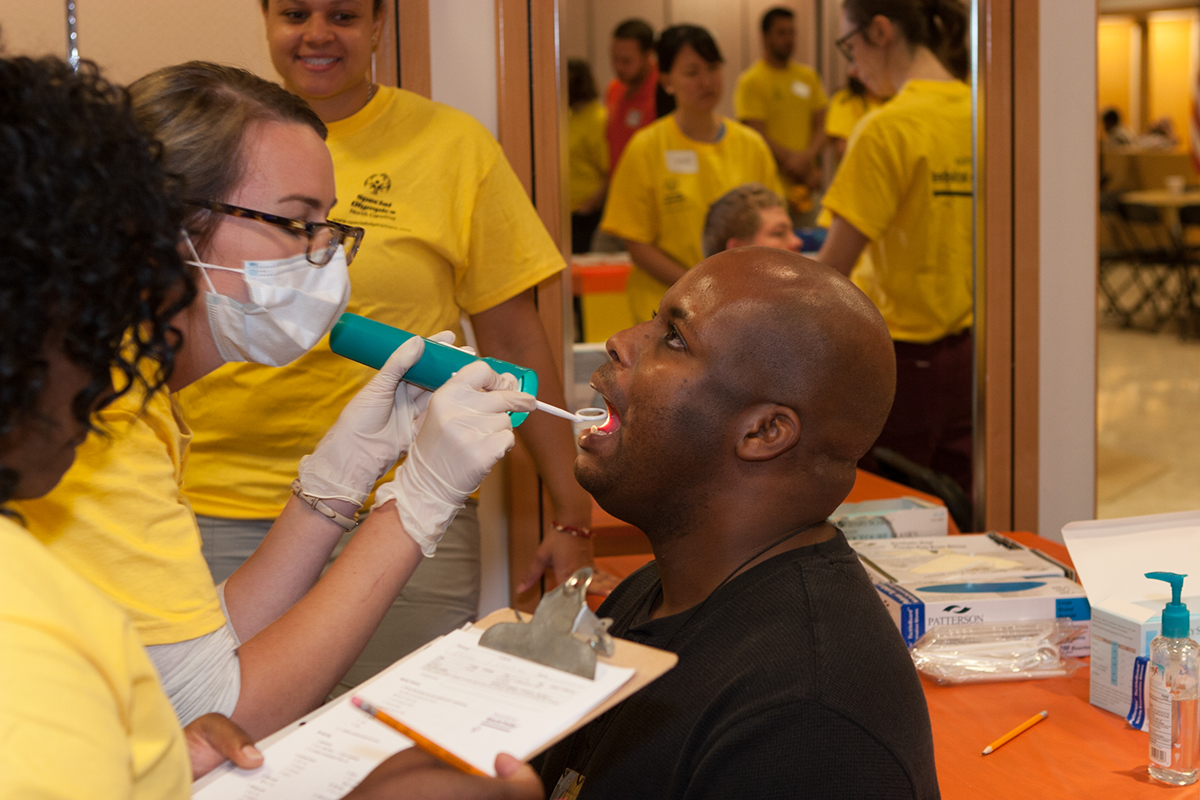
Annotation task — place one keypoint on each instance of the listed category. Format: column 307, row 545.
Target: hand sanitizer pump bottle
column 1173, row 712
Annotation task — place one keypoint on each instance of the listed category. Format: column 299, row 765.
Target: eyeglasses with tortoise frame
column 323, row 237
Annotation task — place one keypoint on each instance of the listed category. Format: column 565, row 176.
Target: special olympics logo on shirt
column 379, row 182
column 633, row 118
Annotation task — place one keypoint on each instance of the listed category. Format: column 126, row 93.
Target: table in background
column 1162, row 198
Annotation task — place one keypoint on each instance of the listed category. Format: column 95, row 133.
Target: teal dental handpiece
column 372, row 343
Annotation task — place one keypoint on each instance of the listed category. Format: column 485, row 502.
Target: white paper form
column 323, row 760
column 477, row 702
column 471, row 700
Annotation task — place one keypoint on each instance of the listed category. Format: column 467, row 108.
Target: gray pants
column 442, row 594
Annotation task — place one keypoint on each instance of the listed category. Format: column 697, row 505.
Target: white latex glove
column 375, row 428
column 466, row 431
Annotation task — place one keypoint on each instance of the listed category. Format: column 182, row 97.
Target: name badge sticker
column 683, row 162
column 801, row 89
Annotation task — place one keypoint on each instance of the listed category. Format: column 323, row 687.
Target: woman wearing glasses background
column 903, row 194
column 268, row 645
column 451, row 232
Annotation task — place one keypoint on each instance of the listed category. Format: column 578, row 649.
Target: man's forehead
column 715, row 304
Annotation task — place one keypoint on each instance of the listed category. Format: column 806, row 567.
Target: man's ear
column 767, row 431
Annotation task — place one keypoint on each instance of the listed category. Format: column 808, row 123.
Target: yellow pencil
column 1015, row 732
column 419, row 740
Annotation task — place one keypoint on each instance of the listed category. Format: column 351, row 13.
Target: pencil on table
column 1015, row 732
column 419, row 740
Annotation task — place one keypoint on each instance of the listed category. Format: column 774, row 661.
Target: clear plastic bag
column 996, row 651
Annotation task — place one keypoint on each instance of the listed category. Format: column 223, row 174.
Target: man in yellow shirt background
column 785, row 102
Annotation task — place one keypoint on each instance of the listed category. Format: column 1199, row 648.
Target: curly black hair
column 90, row 223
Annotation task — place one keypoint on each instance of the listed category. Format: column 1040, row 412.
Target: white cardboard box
column 1112, row 557
column 918, row 607
column 945, row 559
column 889, row 519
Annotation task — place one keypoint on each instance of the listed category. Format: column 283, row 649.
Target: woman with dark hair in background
column 903, row 193
column 587, row 154
column 675, row 168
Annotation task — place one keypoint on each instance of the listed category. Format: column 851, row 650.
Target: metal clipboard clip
column 564, row 633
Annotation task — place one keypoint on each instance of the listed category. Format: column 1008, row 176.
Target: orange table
column 1079, row 751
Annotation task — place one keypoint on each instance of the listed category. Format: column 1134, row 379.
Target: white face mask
column 292, row 305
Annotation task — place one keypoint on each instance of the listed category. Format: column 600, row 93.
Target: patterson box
column 917, row 607
column 1112, row 557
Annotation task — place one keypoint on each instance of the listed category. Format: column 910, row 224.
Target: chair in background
column 1189, row 249
column 1141, row 274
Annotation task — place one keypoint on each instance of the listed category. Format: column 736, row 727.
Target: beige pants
column 443, row 594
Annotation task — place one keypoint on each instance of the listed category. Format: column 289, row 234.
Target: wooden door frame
column 531, row 125
column 532, row 130
column 1007, row 263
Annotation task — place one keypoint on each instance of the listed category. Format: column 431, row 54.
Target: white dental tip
column 593, row 415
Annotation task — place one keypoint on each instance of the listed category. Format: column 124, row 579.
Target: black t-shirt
column 792, row 682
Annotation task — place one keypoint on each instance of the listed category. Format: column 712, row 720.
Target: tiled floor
column 1148, row 419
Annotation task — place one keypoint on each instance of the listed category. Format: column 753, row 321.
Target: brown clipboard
column 648, row 663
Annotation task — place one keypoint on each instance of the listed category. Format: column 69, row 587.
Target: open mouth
column 318, row 61
column 612, row 423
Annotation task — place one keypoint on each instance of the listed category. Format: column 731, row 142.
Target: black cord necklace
column 614, row 713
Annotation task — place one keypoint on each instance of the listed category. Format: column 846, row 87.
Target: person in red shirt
column 631, row 96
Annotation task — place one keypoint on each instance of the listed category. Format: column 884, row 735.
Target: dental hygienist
column 272, row 274
column 450, row 232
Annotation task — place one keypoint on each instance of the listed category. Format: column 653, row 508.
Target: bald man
column 738, row 415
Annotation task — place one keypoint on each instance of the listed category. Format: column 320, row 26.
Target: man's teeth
column 319, row 62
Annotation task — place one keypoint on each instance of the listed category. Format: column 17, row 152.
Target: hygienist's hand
column 375, row 428
column 415, row 775
column 214, row 739
column 465, row 432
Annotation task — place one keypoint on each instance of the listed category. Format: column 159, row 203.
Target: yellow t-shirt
column 663, row 186
column 784, row 99
column 82, row 714
column 587, row 147
column 841, row 116
column 845, row 110
column 449, row 230
column 119, row 519
column 906, row 184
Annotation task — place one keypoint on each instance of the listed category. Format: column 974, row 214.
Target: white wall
column 1067, row 351
column 129, row 38
column 462, row 39
column 462, row 43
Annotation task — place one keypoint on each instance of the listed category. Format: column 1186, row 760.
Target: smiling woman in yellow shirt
column 675, row 168
column 903, row 193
